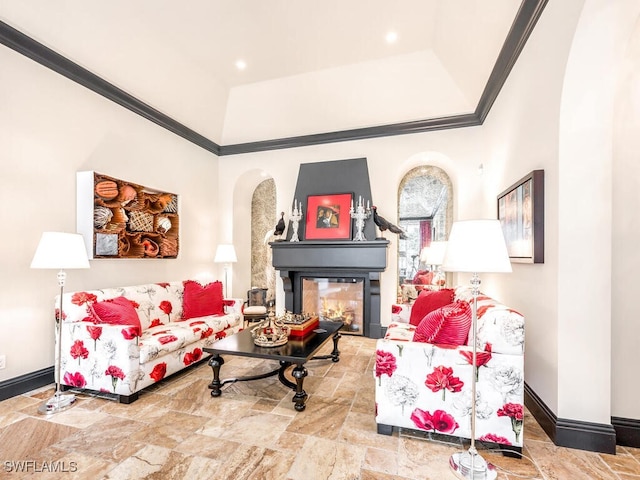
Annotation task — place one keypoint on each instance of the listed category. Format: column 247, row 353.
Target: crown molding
column 525, row 20
column 47, row 57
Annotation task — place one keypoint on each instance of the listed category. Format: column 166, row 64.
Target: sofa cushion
column 447, row 325
column 428, row 301
column 115, row 311
column 200, row 301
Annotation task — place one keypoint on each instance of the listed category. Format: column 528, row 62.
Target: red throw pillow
column 447, row 325
column 116, row 311
column 199, row 301
column 423, row 277
column 428, row 301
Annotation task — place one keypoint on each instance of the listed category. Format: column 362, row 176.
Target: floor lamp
column 434, row 255
column 226, row 253
column 59, row 251
column 475, row 246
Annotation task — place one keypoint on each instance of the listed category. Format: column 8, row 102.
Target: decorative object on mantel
column 120, row 219
column 296, row 216
column 271, row 332
column 280, row 226
column 327, row 217
column 384, row 224
column 360, row 214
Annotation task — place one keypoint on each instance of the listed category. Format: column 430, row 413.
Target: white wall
column 625, row 281
column 50, row 128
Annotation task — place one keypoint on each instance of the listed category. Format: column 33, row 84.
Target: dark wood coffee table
column 295, row 352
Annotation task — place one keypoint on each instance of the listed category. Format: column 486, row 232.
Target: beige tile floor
column 177, row 430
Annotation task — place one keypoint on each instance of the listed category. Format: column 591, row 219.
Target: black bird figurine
column 384, row 224
column 280, row 226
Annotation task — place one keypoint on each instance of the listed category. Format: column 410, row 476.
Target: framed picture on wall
column 328, row 217
column 521, row 214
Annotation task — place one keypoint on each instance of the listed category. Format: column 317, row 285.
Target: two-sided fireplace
column 337, row 280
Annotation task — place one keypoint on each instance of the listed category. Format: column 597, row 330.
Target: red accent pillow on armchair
column 448, row 325
column 428, row 301
column 200, row 301
column 116, row 311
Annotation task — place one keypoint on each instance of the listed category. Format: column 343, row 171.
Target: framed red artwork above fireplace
column 328, row 217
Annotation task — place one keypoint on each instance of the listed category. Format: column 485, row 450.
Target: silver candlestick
column 296, row 216
column 360, row 213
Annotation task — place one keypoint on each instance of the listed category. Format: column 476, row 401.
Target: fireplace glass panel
column 335, row 299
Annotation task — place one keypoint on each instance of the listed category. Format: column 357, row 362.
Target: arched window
column 425, row 213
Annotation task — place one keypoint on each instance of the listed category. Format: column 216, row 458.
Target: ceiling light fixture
column 241, row 64
column 391, row 37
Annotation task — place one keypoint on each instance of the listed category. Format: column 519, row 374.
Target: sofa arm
column 100, row 357
column 428, row 387
column 233, row 305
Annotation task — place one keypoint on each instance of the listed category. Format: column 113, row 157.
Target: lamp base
column 57, row 403
column 461, row 466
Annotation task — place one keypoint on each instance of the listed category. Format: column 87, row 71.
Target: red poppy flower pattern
column 115, row 373
column 395, row 309
column 385, row 364
column 81, row 298
column 166, row 307
column 57, row 315
column 219, row 335
column 206, row 333
column 130, row 333
column 78, row 350
column 74, row 379
column 167, row 339
column 155, row 323
column 439, row 421
column 442, row 379
column 94, row 332
column 158, row 372
column 191, row 357
column 482, row 358
column 492, row 437
column 515, row 412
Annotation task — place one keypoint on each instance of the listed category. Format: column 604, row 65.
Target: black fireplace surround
column 337, row 259
column 333, row 259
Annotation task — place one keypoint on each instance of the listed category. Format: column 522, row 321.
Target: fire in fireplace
column 335, row 299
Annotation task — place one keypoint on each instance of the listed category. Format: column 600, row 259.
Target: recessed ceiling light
column 391, row 37
column 241, row 64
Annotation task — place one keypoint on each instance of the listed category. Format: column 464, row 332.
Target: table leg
column 215, row 363
column 300, row 397
column 335, row 355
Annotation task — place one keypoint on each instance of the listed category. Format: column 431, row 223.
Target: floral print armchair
column 427, row 387
column 152, row 343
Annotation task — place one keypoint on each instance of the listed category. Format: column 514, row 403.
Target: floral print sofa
column 147, row 341
column 426, row 387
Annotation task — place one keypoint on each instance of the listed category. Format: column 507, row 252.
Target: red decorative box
column 299, row 330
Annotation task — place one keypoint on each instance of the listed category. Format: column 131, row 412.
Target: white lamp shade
column 225, row 253
column 433, row 254
column 476, row 246
column 61, row 251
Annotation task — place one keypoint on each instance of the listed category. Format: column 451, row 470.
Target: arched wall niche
column 425, row 213
column 263, row 215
